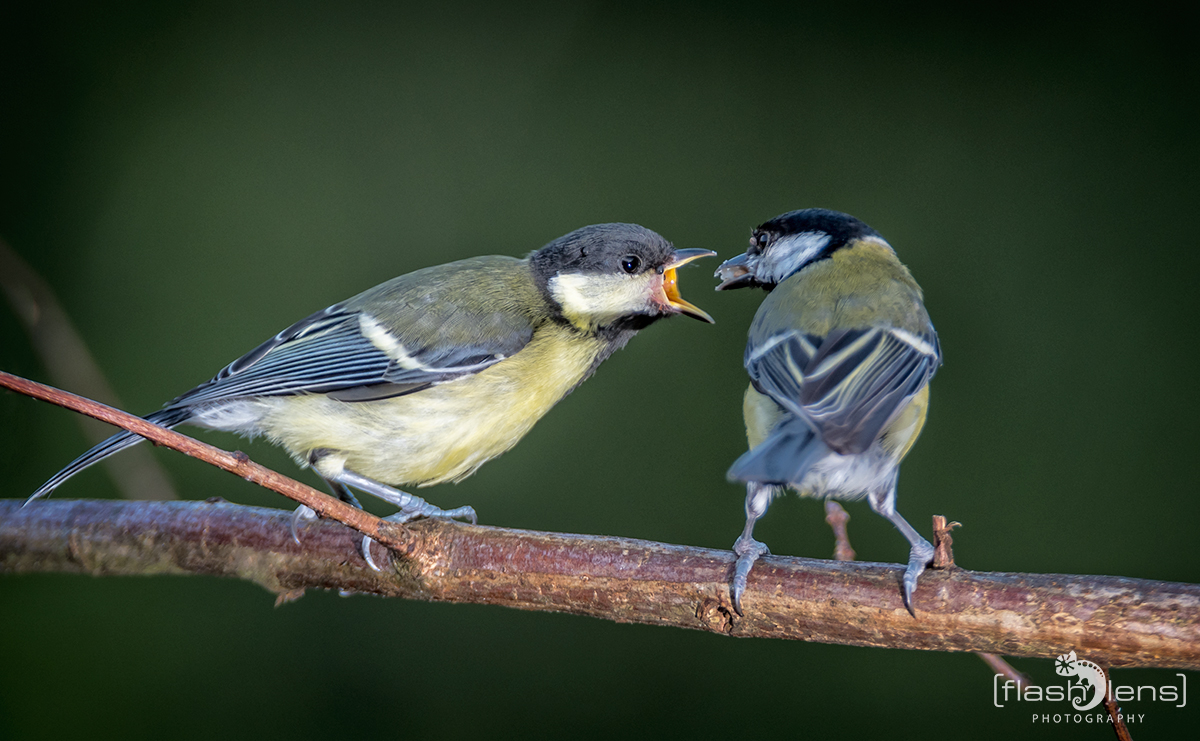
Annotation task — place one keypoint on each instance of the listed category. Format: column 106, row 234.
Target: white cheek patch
column 590, row 300
column 790, row 254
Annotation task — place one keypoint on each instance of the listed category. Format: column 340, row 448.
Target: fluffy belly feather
column 443, row 433
column 849, row 477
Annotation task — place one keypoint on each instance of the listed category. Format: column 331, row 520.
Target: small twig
column 237, row 463
column 943, row 555
column 1006, row 670
column 136, row 474
column 1114, row 710
column 837, row 517
column 943, row 558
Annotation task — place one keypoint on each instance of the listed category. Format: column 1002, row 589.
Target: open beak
column 670, row 284
column 734, row 273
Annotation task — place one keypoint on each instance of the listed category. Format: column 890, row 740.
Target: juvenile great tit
column 423, row 379
column 840, row 355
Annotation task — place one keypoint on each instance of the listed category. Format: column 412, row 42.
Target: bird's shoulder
column 422, row 328
column 490, row 300
column 859, row 287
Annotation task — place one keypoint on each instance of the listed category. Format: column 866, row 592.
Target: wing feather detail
column 329, row 353
column 847, row 385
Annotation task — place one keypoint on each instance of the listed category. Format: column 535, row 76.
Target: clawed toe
column 460, row 513
column 748, row 551
column 303, row 513
column 919, row 557
column 367, row 542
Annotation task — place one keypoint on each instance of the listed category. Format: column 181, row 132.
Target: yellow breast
column 900, row 434
column 761, row 413
column 445, row 432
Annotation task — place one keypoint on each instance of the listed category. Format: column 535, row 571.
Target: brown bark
column 1112, row 620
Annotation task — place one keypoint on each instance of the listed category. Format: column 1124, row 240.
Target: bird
column 424, row 378
column 840, row 354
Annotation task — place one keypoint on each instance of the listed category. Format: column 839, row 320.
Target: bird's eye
column 759, row 242
column 631, row 263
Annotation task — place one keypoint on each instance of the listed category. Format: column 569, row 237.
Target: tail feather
column 787, row 453
column 118, row 442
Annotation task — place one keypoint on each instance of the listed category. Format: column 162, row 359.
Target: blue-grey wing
column 847, row 385
column 345, row 353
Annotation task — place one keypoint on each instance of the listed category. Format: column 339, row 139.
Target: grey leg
column 331, row 466
column 305, row 514
column 748, row 550
column 921, row 553
column 410, row 506
column 344, row 494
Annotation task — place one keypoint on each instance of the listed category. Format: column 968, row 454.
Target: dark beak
column 734, row 273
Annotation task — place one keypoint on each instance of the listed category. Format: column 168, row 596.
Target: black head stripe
column 841, row 227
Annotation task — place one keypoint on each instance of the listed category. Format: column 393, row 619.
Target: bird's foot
column 748, row 551
column 458, row 513
column 410, row 506
column 304, row 514
column 919, row 557
column 424, row 510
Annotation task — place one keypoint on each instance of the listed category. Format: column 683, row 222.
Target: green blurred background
column 192, row 177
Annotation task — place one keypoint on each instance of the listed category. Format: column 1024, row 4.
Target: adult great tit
column 840, row 355
column 426, row 377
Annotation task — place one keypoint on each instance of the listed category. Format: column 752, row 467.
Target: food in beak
column 734, row 273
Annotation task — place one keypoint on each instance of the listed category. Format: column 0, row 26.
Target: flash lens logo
column 1089, row 674
column 1085, row 689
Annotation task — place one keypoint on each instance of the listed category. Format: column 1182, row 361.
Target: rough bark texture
column 1111, row 620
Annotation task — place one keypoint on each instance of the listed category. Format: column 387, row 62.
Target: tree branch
column 1121, row 622
column 1113, row 621
column 237, row 463
column 943, row 558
